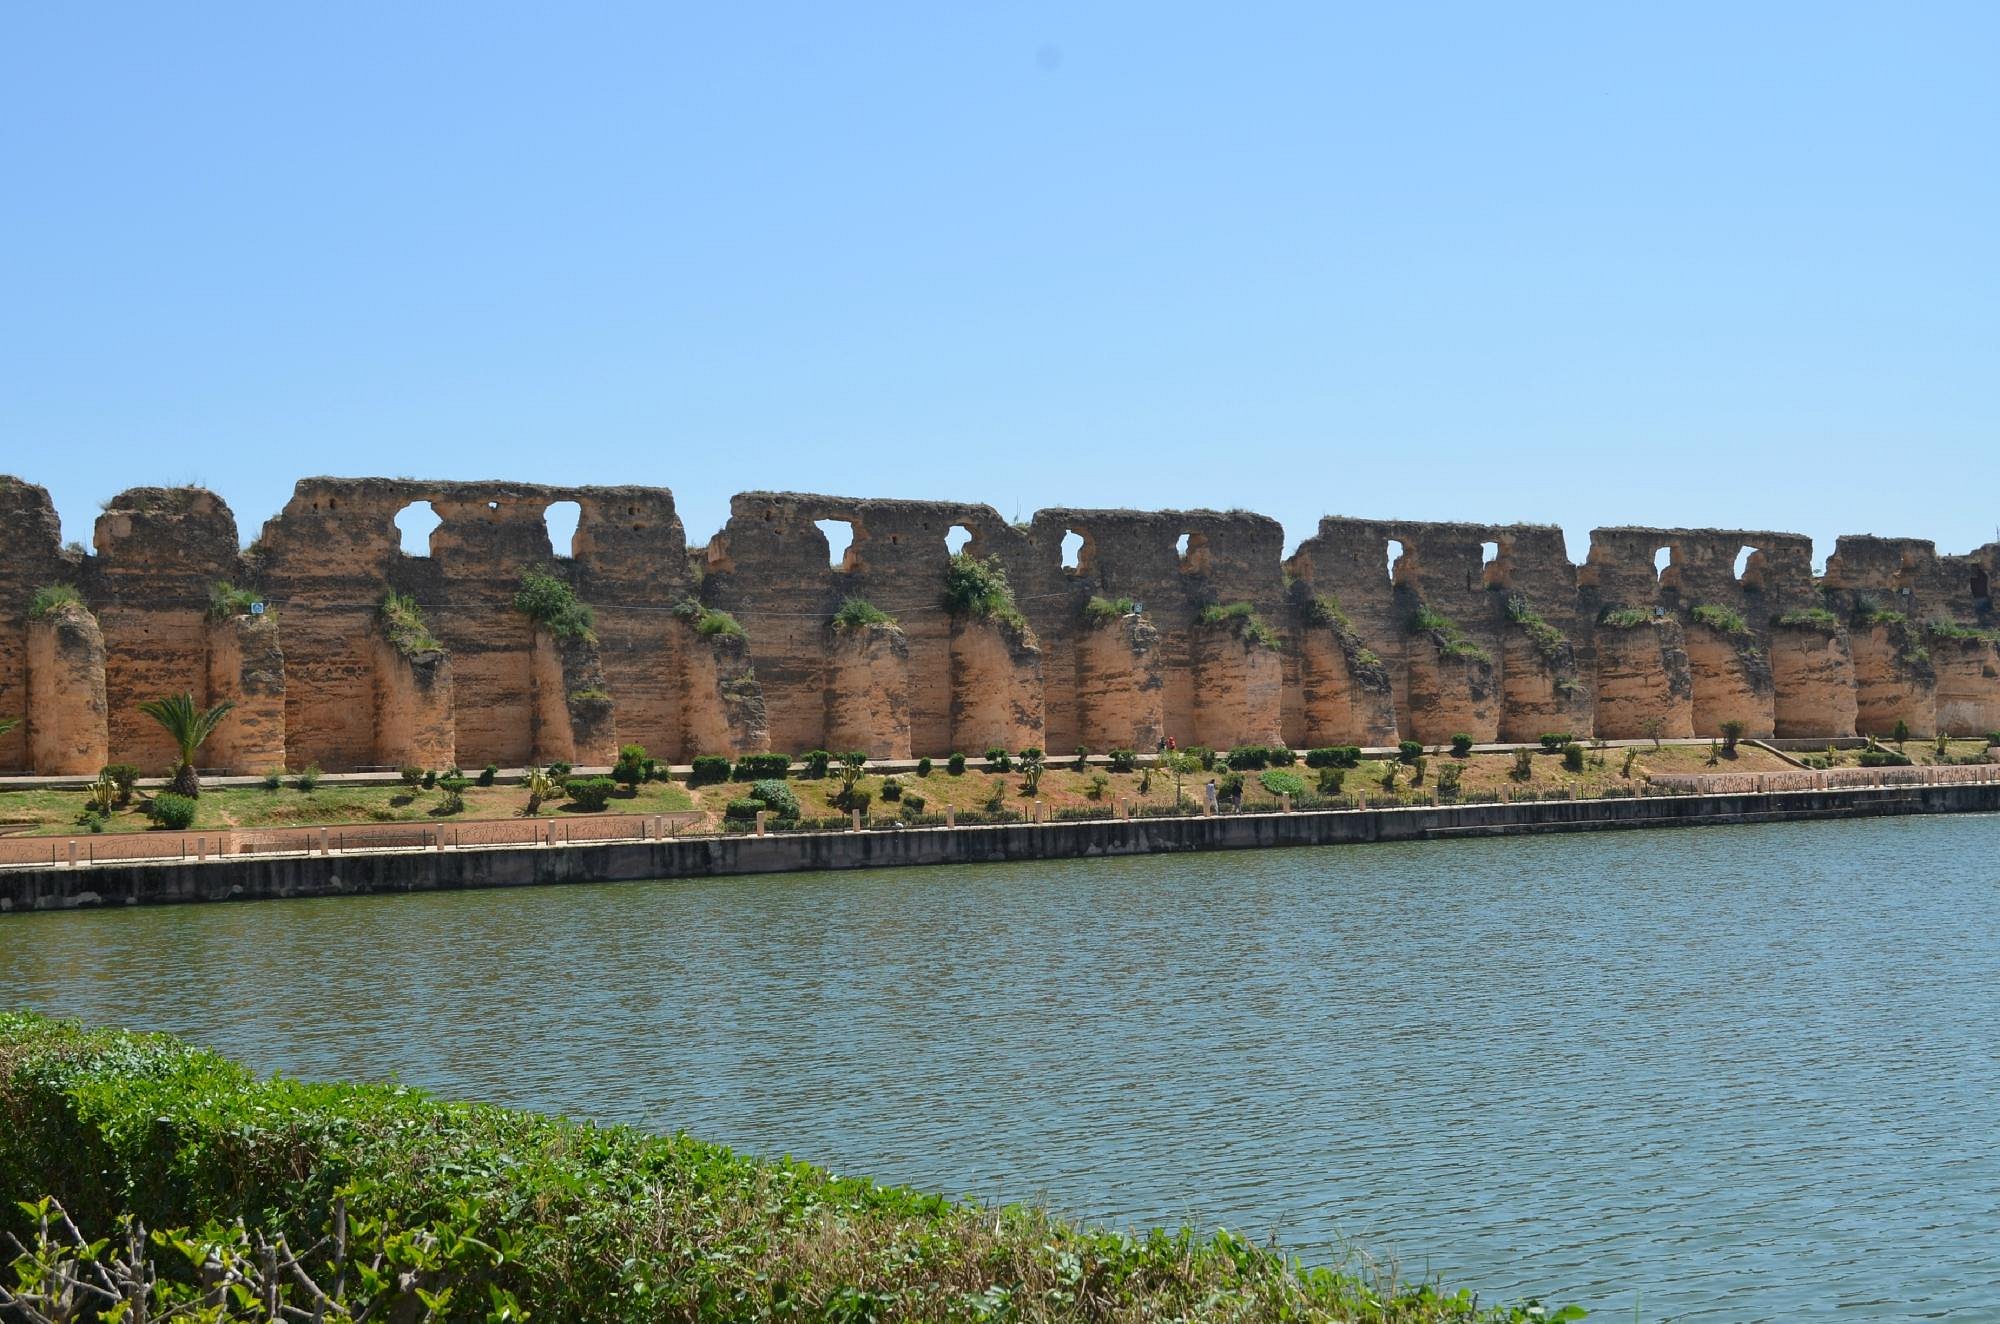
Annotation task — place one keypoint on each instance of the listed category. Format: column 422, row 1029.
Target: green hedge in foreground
column 490, row 1214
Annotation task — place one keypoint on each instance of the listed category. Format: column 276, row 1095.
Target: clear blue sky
column 1684, row 264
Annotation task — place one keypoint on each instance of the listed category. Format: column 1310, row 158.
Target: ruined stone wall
column 1374, row 630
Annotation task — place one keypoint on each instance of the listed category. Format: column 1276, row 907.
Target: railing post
column 1038, row 811
column 200, row 848
column 760, row 821
column 72, row 852
column 322, row 841
column 951, row 816
column 1286, row 801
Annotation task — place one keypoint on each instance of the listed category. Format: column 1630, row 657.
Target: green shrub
column 892, row 789
column 1409, row 749
column 744, row 810
column 856, row 613
column 125, row 776
column 1631, row 757
column 955, row 765
column 308, row 779
column 1247, row 758
column 412, row 775
column 1445, row 634
column 1240, row 619
column 1331, row 780
column 1524, row 764
column 1334, row 756
column 430, row 778
column 1203, row 754
column 817, row 761
column 50, row 598
column 913, row 803
column 1732, row 731
column 1992, row 738
column 1573, row 757
column 1902, row 731
column 630, row 768
column 226, row 601
column 1817, row 619
column 560, row 770
column 1449, row 777
column 1418, row 766
column 1461, row 744
column 590, row 794
column 999, row 760
column 1229, row 786
column 756, row 767
column 403, row 622
column 978, row 590
column 173, row 812
column 1279, row 781
column 1124, row 760
column 996, row 793
column 777, row 796
column 552, row 604
column 924, row 766
column 1082, row 757
column 453, row 799
column 273, row 778
column 1722, row 620
column 1884, row 758
column 719, row 625
column 1555, row 740
column 489, row 774
column 1099, row 784
column 1104, row 611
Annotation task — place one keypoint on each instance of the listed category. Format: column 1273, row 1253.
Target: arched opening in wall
column 1751, row 569
column 1493, row 565
column 956, row 538
column 562, row 517
column 1194, row 553
column 416, row 523
column 1072, row 551
column 839, row 540
column 1394, row 549
column 1982, row 587
column 1663, row 561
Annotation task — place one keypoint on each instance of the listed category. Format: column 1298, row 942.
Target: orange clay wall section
column 1202, row 630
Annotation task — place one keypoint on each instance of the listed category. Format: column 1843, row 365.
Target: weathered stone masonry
column 1372, row 631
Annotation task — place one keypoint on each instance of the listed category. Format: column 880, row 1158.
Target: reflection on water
column 1727, row 1074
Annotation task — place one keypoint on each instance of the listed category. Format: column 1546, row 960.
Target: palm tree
column 190, row 727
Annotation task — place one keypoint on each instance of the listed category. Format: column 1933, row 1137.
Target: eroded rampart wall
column 1133, row 626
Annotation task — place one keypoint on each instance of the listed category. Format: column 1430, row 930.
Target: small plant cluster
column 1551, row 741
column 1450, row 640
column 226, row 601
column 1720, row 619
column 1624, row 618
column 1240, row 619
column 1816, row 619
column 1334, row 756
column 1461, row 745
column 51, row 598
column 978, row 590
column 707, row 621
column 551, row 603
column 1548, row 641
column 1321, row 610
column 1939, row 628
column 1105, row 611
column 859, row 614
column 403, row 621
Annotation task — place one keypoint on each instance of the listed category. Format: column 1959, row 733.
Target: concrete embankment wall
column 518, row 866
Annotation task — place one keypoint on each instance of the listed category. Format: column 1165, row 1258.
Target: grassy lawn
column 54, row 813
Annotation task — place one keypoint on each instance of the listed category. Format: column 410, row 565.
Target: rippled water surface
column 1731, row 1073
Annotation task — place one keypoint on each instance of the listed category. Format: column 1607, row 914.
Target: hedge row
column 585, row 1222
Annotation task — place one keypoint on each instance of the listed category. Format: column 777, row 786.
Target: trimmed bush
column 1573, row 757
column 891, row 789
column 1124, row 760
column 1334, row 756
column 590, row 794
column 756, row 767
column 1555, row 740
column 1408, row 750
column 744, row 810
column 955, row 765
column 777, row 796
column 1461, row 745
column 924, row 766
column 630, row 769
column 1884, row 758
column 412, row 775
column 1331, row 780
column 173, row 812
column 489, row 774
column 913, row 803
column 999, row 760
column 817, row 761
column 1247, row 758
column 307, row 779
column 1282, row 782
column 1204, row 754
column 708, row 768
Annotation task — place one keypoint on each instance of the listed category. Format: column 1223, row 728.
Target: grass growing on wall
column 1240, row 619
column 708, row 621
column 51, row 598
column 1450, row 639
column 552, row 604
column 859, row 613
column 404, row 621
column 979, row 590
column 494, row 1213
column 1817, row 619
column 1103, row 611
column 1722, row 620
